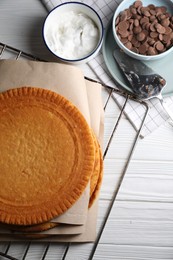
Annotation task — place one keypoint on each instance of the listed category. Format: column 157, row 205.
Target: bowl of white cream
column 73, row 32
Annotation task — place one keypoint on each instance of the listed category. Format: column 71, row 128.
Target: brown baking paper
column 68, row 81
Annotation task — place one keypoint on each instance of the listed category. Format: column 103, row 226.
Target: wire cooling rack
column 24, row 248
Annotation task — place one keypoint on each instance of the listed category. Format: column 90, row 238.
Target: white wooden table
column 140, row 225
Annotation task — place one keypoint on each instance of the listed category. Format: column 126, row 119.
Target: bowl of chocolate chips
column 143, row 29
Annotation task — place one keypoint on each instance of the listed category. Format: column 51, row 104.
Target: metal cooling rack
column 9, row 52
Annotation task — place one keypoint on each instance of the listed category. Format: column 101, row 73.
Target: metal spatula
column 145, row 82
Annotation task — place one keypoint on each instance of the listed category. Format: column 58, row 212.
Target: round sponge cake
column 47, row 155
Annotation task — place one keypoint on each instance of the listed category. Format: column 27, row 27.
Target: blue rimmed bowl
column 65, row 35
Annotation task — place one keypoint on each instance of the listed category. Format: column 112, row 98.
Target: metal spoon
column 145, row 82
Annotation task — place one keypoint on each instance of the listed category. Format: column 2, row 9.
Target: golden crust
column 96, row 170
column 97, row 175
column 46, row 157
column 30, row 229
column 32, row 236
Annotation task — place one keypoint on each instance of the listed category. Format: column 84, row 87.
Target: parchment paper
column 68, row 81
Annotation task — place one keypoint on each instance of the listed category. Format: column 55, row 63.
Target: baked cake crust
column 97, row 175
column 46, row 158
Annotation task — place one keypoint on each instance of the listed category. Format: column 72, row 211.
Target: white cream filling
column 72, row 36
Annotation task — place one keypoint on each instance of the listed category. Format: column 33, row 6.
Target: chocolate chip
column 135, row 42
column 140, row 36
column 137, row 4
column 147, row 13
column 160, row 28
column 168, row 30
column 130, row 37
column 152, row 27
column 144, row 20
column 124, row 40
column 136, row 22
column 123, row 25
column 153, row 35
column 142, row 48
column 137, row 30
column 152, row 12
column 166, row 38
column 163, row 9
column 159, row 46
column 123, row 16
column 123, row 33
column 151, row 51
column 133, row 10
column 151, row 7
column 152, row 18
column 151, row 41
column 134, row 49
column 168, row 44
column 161, row 37
column 128, row 45
column 165, row 22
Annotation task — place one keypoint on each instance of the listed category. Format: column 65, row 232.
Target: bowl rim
column 129, row 52
column 98, row 44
